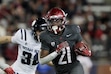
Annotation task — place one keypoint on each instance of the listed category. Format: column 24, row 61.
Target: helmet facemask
column 56, row 25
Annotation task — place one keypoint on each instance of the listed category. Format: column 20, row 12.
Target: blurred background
column 93, row 17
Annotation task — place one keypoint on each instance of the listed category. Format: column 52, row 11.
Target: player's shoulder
column 22, row 33
column 43, row 34
column 74, row 28
column 23, row 30
column 20, row 30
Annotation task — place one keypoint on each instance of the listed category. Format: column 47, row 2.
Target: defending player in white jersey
column 28, row 49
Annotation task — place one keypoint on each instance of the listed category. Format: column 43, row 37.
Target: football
column 82, row 49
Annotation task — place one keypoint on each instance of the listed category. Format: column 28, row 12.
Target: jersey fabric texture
column 28, row 49
column 66, row 60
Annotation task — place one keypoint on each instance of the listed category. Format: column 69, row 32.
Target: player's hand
column 82, row 49
column 61, row 46
column 9, row 70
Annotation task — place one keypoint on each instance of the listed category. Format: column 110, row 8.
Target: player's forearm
column 5, row 39
column 50, row 63
column 3, row 65
column 48, row 58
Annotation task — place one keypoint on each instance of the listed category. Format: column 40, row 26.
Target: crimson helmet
column 56, row 19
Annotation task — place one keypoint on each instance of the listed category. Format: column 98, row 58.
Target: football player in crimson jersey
column 58, row 34
column 28, row 48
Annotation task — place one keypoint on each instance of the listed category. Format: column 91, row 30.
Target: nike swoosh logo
column 68, row 35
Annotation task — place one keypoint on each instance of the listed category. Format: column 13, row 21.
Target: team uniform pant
column 77, row 69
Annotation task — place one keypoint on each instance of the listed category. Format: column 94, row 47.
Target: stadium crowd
column 96, row 29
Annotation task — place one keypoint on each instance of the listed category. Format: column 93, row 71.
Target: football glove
column 61, row 46
column 9, row 70
column 82, row 49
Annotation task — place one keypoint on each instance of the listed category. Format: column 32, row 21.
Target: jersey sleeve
column 16, row 38
column 44, row 44
column 77, row 31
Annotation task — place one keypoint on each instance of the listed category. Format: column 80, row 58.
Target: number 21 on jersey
column 65, row 52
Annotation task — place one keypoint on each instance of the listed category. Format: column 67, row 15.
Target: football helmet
column 56, row 19
column 38, row 25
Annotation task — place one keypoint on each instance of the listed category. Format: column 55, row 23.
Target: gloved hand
column 61, row 46
column 5, row 67
column 82, row 49
column 9, row 70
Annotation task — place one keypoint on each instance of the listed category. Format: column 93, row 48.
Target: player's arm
column 82, row 48
column 50, row 63
column 45, row 57
column 14, row 39
column 5, row 67
column 5, row 39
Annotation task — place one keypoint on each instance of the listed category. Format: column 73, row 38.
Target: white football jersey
column 28, row 49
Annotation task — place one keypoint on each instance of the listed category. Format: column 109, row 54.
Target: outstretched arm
column 5, row 67
column 5, row 39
